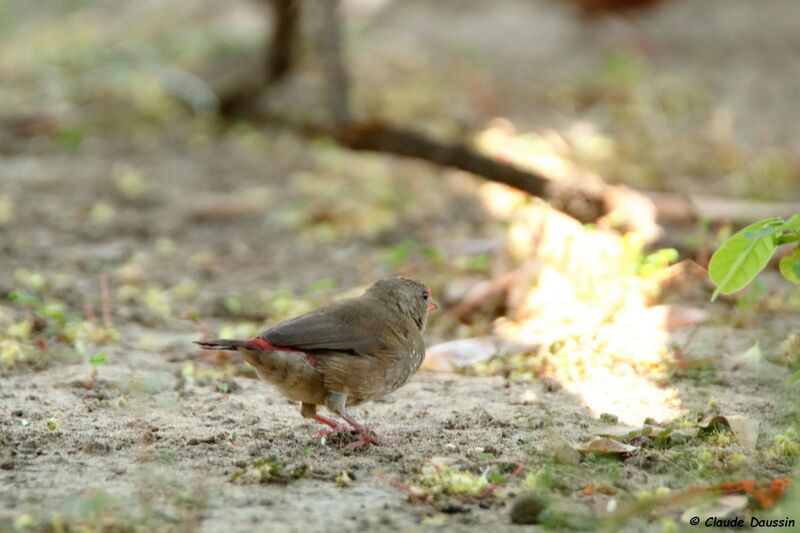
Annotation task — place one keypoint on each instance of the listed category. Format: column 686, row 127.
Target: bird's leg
column 336, row 402
column 309, row 410
column 335, row 426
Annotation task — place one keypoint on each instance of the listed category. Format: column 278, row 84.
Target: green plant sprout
column 740, row 258
column 95, row 362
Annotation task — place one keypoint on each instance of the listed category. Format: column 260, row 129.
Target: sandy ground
column 162, row 448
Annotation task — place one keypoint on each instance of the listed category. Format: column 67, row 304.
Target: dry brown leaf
column 743, row 428
column 607, row 446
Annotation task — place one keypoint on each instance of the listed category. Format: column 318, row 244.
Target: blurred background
column 176, row 169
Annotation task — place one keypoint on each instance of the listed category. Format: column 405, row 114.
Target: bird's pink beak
column 432, row 305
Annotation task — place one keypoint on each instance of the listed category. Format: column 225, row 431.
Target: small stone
column 452, row 507
column 527, row 509
column 95, row 447
column 550, row 385
column 608, row 418
column 566, row 455
column 450, row 446
column 682, row 436
column 491, row 449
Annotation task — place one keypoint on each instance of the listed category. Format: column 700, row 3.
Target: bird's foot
column 368, row 437
column 366, row 440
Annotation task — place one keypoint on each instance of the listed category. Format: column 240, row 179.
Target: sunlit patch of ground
column 584, row 299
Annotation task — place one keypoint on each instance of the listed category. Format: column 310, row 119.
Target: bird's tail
column 257, row 344
column 222, row 344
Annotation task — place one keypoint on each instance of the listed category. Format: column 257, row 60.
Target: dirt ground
column 161, row 448
column 155, row 442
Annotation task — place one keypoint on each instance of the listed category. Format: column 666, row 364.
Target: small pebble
column 550, row 385
column 608, row 418
column 566, row 455
column 527, row 509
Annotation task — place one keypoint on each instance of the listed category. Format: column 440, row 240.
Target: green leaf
column 795, row 377
column 23, row 298
column 742, row 257
column 790, row 266
column 98, row 359
column 770, row 229
column 497, row 477
column 793, row 224
column 790, row 231
column 752, row 357
column 70, row 139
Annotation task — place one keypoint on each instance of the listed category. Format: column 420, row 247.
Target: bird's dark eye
column 425, row 296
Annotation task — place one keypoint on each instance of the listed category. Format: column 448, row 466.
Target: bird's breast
column 404, row 366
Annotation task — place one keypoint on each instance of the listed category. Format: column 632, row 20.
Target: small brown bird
column 345, row 353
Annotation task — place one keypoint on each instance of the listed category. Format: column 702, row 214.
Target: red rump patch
column 260, row 344
column 264, row 345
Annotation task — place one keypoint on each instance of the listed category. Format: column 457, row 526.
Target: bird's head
column 411, row 297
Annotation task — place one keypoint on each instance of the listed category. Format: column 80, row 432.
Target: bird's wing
column 344, row 327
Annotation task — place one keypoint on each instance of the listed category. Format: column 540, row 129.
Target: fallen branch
column 378, row 136
column 586, row 199
column 676, row 207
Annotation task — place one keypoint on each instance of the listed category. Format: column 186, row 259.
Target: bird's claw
column 368, row 437
column 364, row 442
